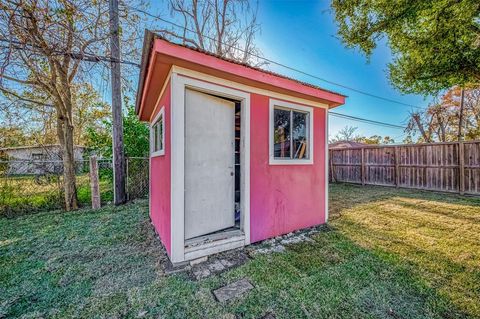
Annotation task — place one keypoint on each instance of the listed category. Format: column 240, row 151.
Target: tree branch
column 9, row 78
column 24, row 99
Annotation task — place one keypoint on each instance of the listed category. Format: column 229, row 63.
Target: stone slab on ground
column 198, row 261
column 269, row 316
column 278, row 244
column 216, row 266
column 171, row 269
column 204, row 267
column 201, row 273
column 233, row 290
column 219, row 263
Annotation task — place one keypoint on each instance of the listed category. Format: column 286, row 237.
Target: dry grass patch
column 436, row 235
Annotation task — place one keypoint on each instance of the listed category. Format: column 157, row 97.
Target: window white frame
column 295, row 107
column 159, row 117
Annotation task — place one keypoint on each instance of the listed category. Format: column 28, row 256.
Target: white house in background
column 37, row 159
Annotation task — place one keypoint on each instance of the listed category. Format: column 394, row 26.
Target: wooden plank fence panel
column 440, row 167
column 346, row 165
column 380, row 166
column 472, row 168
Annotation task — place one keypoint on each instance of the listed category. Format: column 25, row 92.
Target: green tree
column 136, row 135
column 435, row 43
column 375, row 139
column 49, row 39
column 11, row 136
column 51, row 46
column 348, row 134
column 88, row 110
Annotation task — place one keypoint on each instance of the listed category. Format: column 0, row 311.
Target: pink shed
column 238, row 154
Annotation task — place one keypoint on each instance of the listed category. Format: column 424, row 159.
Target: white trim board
column 289, row 106
column 327, row 165
column 152, row 141
column 179, row 84
column 246, row 88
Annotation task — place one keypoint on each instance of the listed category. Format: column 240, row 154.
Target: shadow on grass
column 108, row 263
column 335, row 277
column 435, row 235
column 345, row 196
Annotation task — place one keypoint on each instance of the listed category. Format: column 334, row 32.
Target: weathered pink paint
column 284, row 198
column 160, row 179
column 261, row 78
column 164, row 54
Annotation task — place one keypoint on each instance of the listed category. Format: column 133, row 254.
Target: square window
column 157, row 138
column 290, row 133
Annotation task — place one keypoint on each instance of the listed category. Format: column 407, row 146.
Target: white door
column 209, row 164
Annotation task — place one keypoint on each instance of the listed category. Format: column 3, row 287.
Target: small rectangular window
column 282, row 135
column 290, row 133
column 38, row 156
column 299, row 135
column 157, row 138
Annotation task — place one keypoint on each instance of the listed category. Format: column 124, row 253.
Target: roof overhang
column 159, row 55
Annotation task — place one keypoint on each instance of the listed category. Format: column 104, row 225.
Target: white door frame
column 179, row 84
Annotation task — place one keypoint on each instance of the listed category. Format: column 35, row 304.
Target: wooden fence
column 446, row 167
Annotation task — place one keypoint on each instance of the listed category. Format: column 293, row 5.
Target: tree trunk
column 425, row 136
column 65, row 133
column 460, row 117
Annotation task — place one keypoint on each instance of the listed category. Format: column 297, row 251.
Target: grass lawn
column 386, row 253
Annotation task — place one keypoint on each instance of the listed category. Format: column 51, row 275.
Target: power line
column 97, row 58
column 400, row 136
column 367, row 121
column 92, row 58
column 354, row 118
column 77, row 56
column 278, row 63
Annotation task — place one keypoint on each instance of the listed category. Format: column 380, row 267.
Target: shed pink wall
column 284, row 198
column 160, row 176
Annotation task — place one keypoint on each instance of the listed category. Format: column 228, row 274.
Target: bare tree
column 440, row 121
column 43, row 44
column 347, row 133
column 224, row 27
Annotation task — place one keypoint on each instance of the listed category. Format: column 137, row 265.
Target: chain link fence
column 28, row 186
column 137, row 178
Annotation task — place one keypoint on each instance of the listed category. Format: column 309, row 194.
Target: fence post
column 461, row 167
column 330, row 162
column 397, row 167
column 94, row 184
column 362, row 170
column 126, row 179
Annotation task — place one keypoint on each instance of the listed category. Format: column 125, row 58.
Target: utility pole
column 460, row 119
column 119, row 195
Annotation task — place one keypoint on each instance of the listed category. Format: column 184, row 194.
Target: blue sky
column 302, row 34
